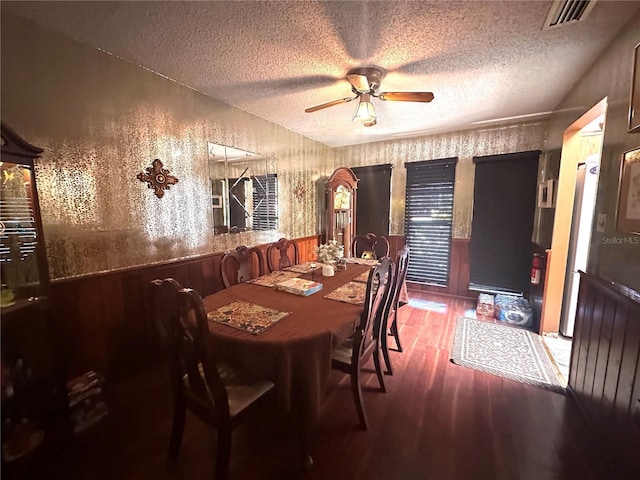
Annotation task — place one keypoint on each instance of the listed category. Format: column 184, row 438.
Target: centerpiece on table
column 328, row 253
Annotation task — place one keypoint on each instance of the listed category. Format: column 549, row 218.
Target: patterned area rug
column 505, row 351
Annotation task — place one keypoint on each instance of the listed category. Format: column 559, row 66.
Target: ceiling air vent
column 563, row 12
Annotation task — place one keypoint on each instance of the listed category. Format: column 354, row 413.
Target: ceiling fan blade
column 359, row 82
column 406, row 96
column 328, row 104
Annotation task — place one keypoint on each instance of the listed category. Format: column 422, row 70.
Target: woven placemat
column 271, row 279
column 351, row 292
column 246, row 316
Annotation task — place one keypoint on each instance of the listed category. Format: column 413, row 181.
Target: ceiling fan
column 364, row 84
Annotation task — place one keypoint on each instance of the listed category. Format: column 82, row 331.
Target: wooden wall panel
column 605, row 368
column 602, row 355
column 103, row 322
column 396, row 243
column 305, row 248
column 458, row 273
column 614, row 361
column 628, row 370
column 582, row 334
column 592, row 343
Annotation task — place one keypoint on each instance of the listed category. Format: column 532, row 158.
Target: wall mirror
column 244, row 190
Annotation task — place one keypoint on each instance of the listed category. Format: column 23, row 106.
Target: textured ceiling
column 486, row 62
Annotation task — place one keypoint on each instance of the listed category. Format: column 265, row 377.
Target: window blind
column 265, row 202
column 373, row 205
column 428, row 219
column 504, row 200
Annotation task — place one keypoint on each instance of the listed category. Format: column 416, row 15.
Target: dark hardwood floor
column 436, row 421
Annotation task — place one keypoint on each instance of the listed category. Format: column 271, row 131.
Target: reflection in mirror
column 244, row 194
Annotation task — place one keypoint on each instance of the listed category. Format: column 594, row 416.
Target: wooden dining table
column 294, row 353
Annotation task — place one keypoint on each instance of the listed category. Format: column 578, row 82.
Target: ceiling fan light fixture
column 365, row 113
column 364, row 84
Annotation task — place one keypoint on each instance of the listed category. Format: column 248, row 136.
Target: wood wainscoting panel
column 396, row 243
column 103, row 322
column 604, row 374
column 458, row 273
column 306, row 248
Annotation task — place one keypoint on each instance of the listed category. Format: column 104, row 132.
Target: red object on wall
column 536, row 270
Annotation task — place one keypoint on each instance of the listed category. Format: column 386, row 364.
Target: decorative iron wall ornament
column 157, row 178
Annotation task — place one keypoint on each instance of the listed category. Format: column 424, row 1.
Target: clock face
column 341, row 199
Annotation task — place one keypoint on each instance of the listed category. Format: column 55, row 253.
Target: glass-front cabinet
column 28, row 385
column 23, row 264
column 21, row 275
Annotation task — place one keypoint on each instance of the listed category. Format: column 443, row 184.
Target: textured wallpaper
column 464, row 145
column 613, row 254
column 101, row 121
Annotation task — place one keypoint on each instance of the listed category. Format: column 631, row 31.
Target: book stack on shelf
column 86, row 400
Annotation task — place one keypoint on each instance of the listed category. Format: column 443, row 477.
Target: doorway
column 573, row 224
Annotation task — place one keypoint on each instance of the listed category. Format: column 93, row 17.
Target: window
column 265, row 202
column 428, row 219
column 504, row 202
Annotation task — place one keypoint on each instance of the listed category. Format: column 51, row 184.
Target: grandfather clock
column 340, row 191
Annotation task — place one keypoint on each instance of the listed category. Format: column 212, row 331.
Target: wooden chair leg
column 384, row 346
column 376, row 362
column 394, row 330
column 223, row 455
column 356, row 388
column 396, row 336
column 177, row 429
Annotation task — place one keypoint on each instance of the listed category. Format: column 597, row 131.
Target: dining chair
column 364, row 244
column 391, row 308
column 281, row 248
column 237, row 266
column 350, row 356
column 215, row 392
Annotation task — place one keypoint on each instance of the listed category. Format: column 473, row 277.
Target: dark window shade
column 428, row 219
column 265, row 202
column 373, row 199
column 504, row 199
